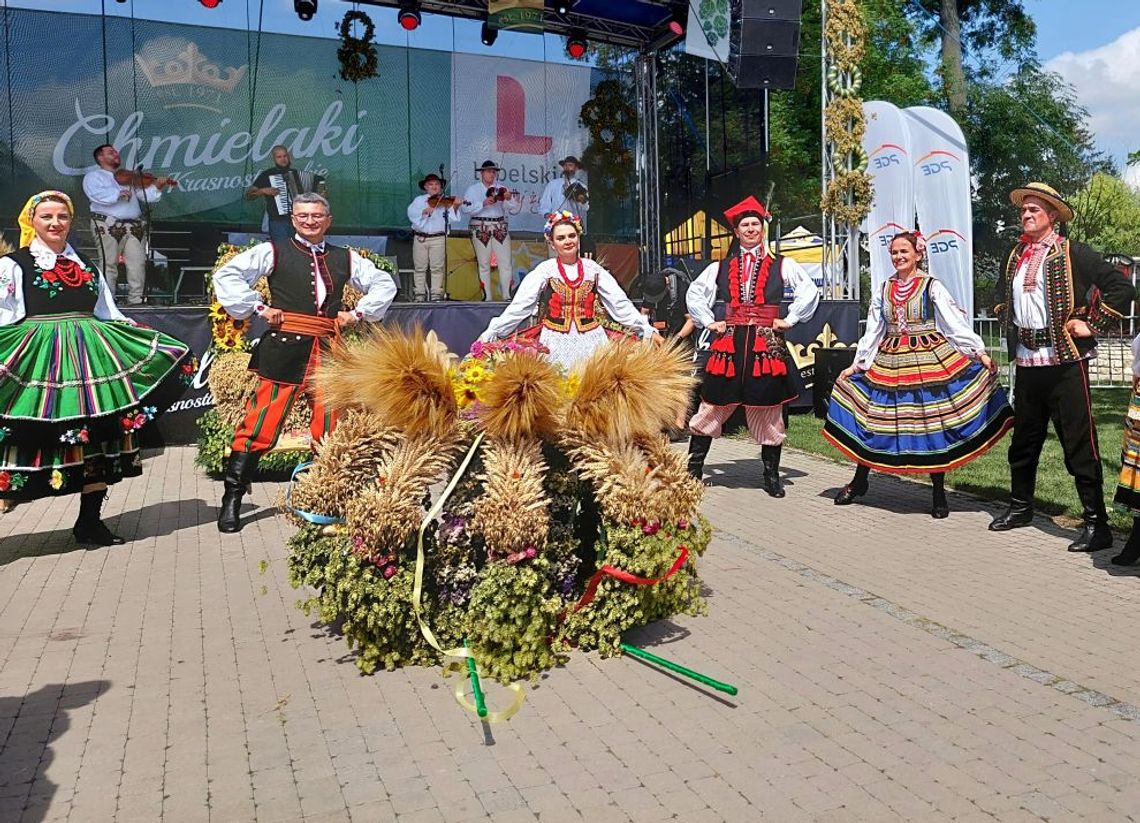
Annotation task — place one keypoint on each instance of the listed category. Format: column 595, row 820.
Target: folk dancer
column 922, row 394
column 307, row 276
column 1127, row 497
column 562, row 293
column 78, row 380
column 1056, row 295
column 117, row 219
column 279, row 185
column 738, row 299
column 490, row 234
column 429, row 243
column 567, row 192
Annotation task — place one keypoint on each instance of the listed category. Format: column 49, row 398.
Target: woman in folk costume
column 564, row 291
column 1128, row 486
column 77, row 378
column 922, row 395
column 739, row 300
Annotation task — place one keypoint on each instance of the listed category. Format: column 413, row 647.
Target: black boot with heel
column 939, row 509
column 1131, row 551
column 699, row 446
column 89, row 528
column 1095, row 534
column 856, row 488
column 241, row 467
column 770, row 457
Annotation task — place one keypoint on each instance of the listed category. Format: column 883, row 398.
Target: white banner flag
column 521, row 114
column 706, row 33
column 889, row 162
column 942, row 197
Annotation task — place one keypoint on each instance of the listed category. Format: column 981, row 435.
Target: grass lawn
column 988, row 476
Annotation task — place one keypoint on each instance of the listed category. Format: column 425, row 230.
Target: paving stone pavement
column 890, row 666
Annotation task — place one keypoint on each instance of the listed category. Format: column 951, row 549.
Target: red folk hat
column 749, row 204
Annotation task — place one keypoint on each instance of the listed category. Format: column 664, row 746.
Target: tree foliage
column 1108, row 215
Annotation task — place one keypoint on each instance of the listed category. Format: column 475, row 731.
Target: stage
column 458, row 324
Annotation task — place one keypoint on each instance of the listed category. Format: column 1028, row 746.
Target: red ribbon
column 625, row 577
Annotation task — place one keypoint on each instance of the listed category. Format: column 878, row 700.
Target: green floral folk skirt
column 74, row 393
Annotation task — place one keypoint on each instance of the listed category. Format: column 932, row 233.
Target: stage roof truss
column 637, row 24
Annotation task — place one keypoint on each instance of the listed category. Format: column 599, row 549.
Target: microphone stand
column 148, row 252
column 446, row 237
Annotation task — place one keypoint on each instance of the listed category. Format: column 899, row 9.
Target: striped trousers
column 265, row 415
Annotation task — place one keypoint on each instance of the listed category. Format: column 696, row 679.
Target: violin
column 446, row 201
column 499, row 193
column 573, row 190
column 139, row 179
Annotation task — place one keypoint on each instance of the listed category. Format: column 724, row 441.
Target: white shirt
column 101, row 189
column 233, row 283
column 805, row 296
column 473, row 203
column 522, row 307
column 12, row 308
column 948, row 319
column 554, row 200
column 1029, row 312
column 432, row 224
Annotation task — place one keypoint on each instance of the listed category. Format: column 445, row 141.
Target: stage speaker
column 764, row 43
column 828, row 364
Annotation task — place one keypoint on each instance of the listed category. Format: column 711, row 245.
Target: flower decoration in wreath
column 357, row 54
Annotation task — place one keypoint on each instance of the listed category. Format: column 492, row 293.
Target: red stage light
column 677, row 21
column 676, row 28
column 409, row 16
column 576, row 45
column 210, row 4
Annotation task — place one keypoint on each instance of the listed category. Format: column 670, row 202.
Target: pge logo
column 887, row 155
column 885, row 161
column 937, row 162
column 936, row 168
column 945, row 240
column 943, row 246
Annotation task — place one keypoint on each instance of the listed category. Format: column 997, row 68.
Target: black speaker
column 828, row 364
column 764, row 43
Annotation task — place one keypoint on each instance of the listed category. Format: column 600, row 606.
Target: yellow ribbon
column 417, row 595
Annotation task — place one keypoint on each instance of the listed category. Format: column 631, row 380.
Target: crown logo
column 804, row 355
column 189, row 67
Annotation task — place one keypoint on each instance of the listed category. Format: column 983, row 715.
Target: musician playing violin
column 117, row 198
column 485, row 201
column 428, row 215
column 568, row 192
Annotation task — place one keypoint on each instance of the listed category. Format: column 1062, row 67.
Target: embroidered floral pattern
column 75, row 436
column 57, row 480
column 133, row 421
column 66, row 273
column 4, row 432
column 12, row 480
column 188, row 370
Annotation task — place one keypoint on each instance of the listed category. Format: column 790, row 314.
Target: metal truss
column 648, row 168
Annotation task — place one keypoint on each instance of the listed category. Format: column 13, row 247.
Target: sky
column 1092, row 44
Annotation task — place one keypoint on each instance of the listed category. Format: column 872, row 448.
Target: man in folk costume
column 1056, row 295
column 306, row 278
column 738, row 299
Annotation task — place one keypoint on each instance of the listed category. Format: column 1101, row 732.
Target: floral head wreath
column 27, row 232
column 554, row 218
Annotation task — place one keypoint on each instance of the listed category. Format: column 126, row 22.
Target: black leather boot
column 1131, row 551
column 699, row 446
column 856, row 488
column 1019, row 513
column 939, row 508
column 1095, row 534
column 770, row 456
column 239, row 469
column 89, row 527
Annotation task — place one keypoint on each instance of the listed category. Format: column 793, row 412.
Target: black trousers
column 1061, row 394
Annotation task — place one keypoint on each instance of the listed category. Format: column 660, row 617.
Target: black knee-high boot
column 1095, row 534
column 239, row 470
column 1131, row 551
column 939, row 508
column 770, row 457
column 856, row 488
column 89, row 527
column 699, row 446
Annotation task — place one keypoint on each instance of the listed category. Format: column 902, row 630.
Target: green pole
column 476, row 689
column 727, row 688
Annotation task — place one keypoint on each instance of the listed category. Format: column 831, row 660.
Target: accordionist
column 279, row 185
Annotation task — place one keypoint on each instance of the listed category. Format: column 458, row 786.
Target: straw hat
column 1043, row 192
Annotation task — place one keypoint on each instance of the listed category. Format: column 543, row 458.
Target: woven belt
column 1034, row 338
column 434, row 234
column 105, row 217
column 310, row 324
column 751, row 315
column 488, row 220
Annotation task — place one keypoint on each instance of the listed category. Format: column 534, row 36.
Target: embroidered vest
column 773, row 289
column 570, row 306
column 47, row 293
column 293, row 283
column 1056, row 283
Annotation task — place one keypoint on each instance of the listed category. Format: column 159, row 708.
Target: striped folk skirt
column 74, row 393
column 922, row 406
column 1127, row 495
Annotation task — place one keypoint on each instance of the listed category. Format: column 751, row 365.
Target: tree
column 1027, row 128
column 1107, row 215
column 973, row 29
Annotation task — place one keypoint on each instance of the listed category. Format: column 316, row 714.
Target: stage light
column 305, row 8
column 576, row 45
column 409, row 15
column 678, row 20
column 210, row 4
column 562, row 7
column 488, row 34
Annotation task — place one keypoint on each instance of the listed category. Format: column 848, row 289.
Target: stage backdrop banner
column 206, row 106
column 942, row 196
column 887, row 143
column 522, row 115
